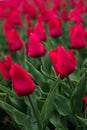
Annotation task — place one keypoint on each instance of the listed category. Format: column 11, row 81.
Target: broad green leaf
column 66, row 88
column 46, row 63
column 55, row 118
column 48, row 107
column 77, row 96
column 22, row 58
column 61, row 124
column 40, row 104
column 17, row 103
column 31, row 103
column 62, row 105
column 3, row 96
column 38, row 77
column 20, row 118
column 82, row 121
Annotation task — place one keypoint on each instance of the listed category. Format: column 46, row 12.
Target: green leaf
column 61, row 124
column 66, row 88
column 46, row 63
column 22, row 58
column 20, row 118
column 7, row 90
column 59, row 129
column 55, row 118
column 62, row 105
column 77, row 96
column 38, row 77
column 3, row 96
column 35, row 111
column 82, row 121
column 48, row 107
column 17, row 103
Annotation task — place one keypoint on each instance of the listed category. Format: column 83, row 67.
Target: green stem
column 35, row 113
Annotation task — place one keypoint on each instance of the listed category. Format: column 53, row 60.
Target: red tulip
column 29, row 9
column 7, row 28
column 75, row 15
column 57, row 3
column 64, row 62
column 21, row 81
column 80, row 6
column 39, row 4
column 35, row 47
column 77, row 36
column 5, row 67
column 73, row 3
column 64, row 15
column 85, row 101
column 40, row 31
column 55, row 27
column 46, row 15
column 14, row 18
column 14, row 40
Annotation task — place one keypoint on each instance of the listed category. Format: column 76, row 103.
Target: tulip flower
column 35, row 47
column 5, row 67
column 64, row 62
column 21, row 81
column 77, row 36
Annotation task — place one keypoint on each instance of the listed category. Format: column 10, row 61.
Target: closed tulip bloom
column 77, row 36
column 14, row 40
column 85, row 101
column 75, row 15
column 14, row 18
column 57, row 4
column 5, row 67
column 7, row 27
column 29, row 9
column 64, row 15
column 46, row 15
column 35, row 47
column 64, row 62
column 21, row 81
column 40, row 31
column 80, row 6
column 55, row 27
column 73, row 2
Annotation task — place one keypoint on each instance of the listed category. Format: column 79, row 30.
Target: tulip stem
column 35, row 113
column 69, row 82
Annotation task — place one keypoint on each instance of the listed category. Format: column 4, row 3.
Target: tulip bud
column 35, row 47
column 64, row 62
column 21, row 81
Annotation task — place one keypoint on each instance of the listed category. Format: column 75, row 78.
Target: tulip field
column 43, row 64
